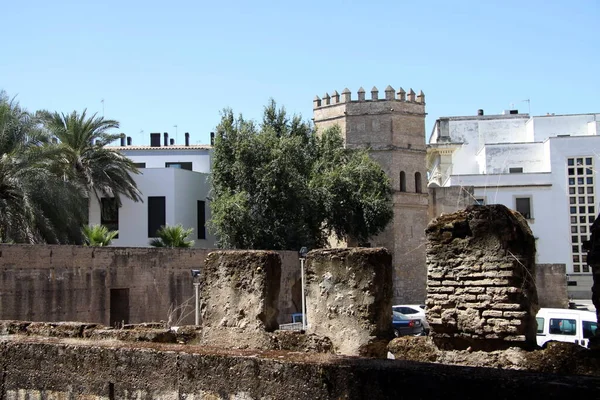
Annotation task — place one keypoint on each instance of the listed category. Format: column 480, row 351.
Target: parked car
column 406, row 326
column 414, row 311
column 565, row 325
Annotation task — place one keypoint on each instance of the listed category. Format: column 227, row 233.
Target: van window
column 589, row 329
column 540, row 325
column 563, row 326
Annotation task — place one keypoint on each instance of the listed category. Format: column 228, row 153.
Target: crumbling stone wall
column 239, row 295
column 349, row 294
column 480, row 278
column 551, row 285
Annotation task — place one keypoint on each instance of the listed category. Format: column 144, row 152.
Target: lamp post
column 302, row 254
column 195, row 275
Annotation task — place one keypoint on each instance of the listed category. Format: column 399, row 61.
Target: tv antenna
column 175, row 126
column 102, row 101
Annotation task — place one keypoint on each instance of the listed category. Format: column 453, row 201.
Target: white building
column 543, row 167
column 175, row 186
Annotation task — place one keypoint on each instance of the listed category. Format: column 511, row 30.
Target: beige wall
column 73, row 283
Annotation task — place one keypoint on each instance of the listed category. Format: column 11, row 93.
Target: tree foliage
column 98, row 235
column 173, row 236
column 279, row 185
column 50, row 163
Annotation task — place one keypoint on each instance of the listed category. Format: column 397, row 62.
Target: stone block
column 239, row 296
column 349, row 298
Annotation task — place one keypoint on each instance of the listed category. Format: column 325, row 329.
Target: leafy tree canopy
column 279, row 185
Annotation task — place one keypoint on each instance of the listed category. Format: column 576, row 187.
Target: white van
column 564, row 325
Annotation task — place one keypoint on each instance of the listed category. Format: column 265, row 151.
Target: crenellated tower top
column 390, row 95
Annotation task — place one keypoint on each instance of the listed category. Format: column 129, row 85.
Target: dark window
column 574, row 229
column 580, row 181
column 180, row 165
column 140, row 164
column 570, row 161
column 571, row 171
column 574, row 239
column 591, row 219
column 581, row 200
column 580, row 161
column 586, row 268
column 402, row 181
column 480, row 202
column 591, row 199
column 563, row 326
column 579, row 171
column 573, row 219
column 588, row 171
column 583, row 229
column 588, row 161
column 573, row 210
column 572, row 200
column 580, row 190
column 591, row 209
column 571, row 190
column 417, row 182
column 109, row 214
column 156, row 214
column 201, row 219
column 575, row 249
column 589, row 329
column 571, row 181
column 523, row 205
column 515, row 170
column 590, row 190
column 590, row 180
column 582, row 209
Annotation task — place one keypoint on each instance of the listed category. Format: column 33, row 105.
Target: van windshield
column 589, row 329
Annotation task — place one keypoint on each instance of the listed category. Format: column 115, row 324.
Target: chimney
column 187, row 139
column 128, row 140
column 480, row 112
column 166, row 135
column 172, row 142
column 155, row 140
column 122, row 140
column 212, row 138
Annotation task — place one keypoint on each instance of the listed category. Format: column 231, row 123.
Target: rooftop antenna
column 175, row 126
column 102, row 101
column 528, row 101
column 141, row 136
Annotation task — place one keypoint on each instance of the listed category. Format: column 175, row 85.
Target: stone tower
column 393, row 129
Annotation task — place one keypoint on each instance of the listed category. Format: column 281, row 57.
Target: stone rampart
column 481, row 279
column 349, row 294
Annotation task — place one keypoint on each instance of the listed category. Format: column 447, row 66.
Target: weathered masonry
column 393, row 129
column 481, row 279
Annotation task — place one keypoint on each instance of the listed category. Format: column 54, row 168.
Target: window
column 523, row 205
column 563, row 326
column 109, row 213
column 201, row 220
column 540, row 325
column 588, row 161
column 180, row 165
column 402, row 181
column 417, row 182
column 479, row 201
column 156, row 214
column 589, row 329
column 140, row 164
column 570, row 161
column 515, row 170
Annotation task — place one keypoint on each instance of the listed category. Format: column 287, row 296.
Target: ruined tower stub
column 393, row 128
column 480, row 279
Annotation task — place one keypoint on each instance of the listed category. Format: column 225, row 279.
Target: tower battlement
column 390, row 94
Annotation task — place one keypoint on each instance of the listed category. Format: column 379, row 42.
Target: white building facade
column 175, row 184
column 543, row 167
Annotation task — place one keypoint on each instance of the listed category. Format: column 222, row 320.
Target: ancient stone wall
column 551, row 284
column 449, row 199
column 480, row 277
column 111, row 284
column 349, row 293
column 60, row 369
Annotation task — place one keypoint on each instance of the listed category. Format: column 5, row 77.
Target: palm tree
column 98, row 235
column 85, row 159
column 173, row 236
column 35, row 204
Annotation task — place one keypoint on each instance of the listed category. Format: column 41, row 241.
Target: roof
column 173, row 147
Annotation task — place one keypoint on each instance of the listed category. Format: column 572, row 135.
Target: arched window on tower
column 417, row 182
column 402, row 181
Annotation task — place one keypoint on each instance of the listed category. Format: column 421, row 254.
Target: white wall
column 499, row 158
column 548, row 126
column 181, row 189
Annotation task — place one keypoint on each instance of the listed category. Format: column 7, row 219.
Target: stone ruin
column 349, row 298
column 481, row 289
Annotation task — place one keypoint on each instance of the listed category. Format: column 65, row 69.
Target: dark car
column 405, row 326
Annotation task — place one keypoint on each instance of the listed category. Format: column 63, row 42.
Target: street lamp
column 302, row 255
column 195, row 276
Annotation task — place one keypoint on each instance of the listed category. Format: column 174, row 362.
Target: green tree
column 173, row 236
column 85, row 159
column 278, row 185
column 98, row 235
column 36, row 205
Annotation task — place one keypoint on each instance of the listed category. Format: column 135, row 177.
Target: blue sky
column 160, row 64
